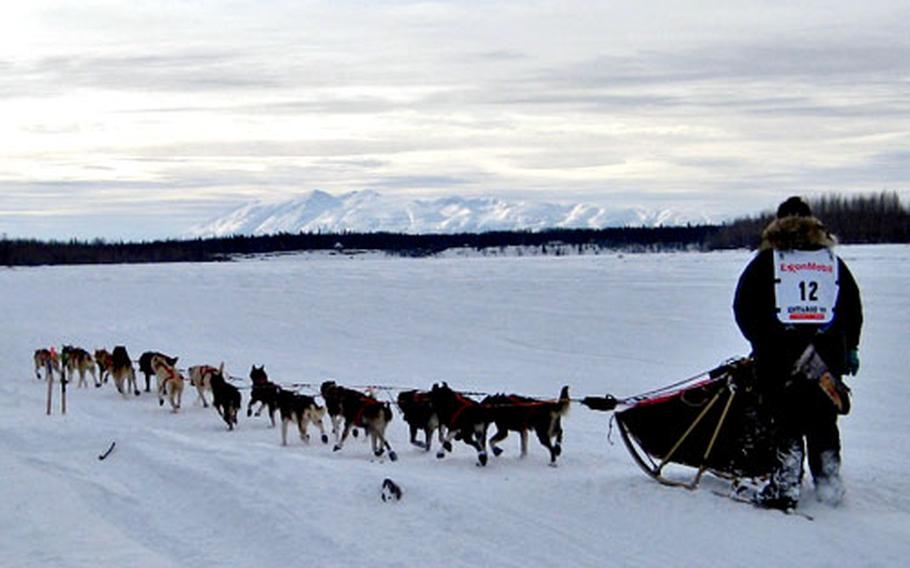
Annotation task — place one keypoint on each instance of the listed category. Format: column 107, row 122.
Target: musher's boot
column 782, row 491
column 829, row 488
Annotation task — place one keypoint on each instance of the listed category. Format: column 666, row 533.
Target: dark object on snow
column 390, row 490
column 714, row 422
column 108, row 452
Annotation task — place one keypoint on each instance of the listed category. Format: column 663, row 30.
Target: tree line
column 862, row 219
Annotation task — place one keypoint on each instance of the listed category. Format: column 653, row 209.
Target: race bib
column 805, row 286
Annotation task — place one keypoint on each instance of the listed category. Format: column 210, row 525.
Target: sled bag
column 659, row 424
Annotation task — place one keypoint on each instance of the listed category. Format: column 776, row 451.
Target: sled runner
column 712, row 422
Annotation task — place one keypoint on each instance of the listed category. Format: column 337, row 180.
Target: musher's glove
column 853, row 362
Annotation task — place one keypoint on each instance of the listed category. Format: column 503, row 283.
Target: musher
column 794, row 293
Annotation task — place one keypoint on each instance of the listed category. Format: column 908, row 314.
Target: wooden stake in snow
column 50, row 386
column 63, row 393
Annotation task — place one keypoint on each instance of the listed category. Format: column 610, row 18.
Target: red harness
column 463, row 403
column 206, row 370
column 367, row 403
column 172, row 375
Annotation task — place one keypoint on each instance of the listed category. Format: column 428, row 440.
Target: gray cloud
column 177, row 71
column 629, row 103
column 754, row 77
column 732, row 61
column 422, row 182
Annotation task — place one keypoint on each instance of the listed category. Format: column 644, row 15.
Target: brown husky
column 78, row 360
column 122, row 370
column 201, row 378
column 105, row 363
column 46, row 360
column 362, row 411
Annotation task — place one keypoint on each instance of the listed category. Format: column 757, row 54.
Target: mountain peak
column 370, row 211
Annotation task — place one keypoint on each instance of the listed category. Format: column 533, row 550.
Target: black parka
column 775, row 345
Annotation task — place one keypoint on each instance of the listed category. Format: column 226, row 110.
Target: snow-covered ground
column 180, row 490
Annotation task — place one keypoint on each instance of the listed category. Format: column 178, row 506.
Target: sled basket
column 712, row 423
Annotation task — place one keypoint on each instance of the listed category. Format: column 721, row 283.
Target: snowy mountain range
column 369, row 211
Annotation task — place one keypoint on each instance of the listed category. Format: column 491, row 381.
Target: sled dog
column 225, row 397
column 122, row 371
column 78, row 360
column 105, row 363
column 145, row 365
column 418, row 411
column 519, row 414
column 201, row 378
column 170, row 381
column 363, row 411
column 333, row 395
column 463, row 418
column 263, row 391
column 46, row 360
column 302, row 410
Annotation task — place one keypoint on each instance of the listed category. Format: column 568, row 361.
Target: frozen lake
column 182, row 490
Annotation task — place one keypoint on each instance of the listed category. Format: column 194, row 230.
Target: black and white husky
column 302, row 410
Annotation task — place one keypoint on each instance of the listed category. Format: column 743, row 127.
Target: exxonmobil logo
column 806, row 266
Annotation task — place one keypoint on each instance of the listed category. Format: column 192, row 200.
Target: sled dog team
column 441, row 411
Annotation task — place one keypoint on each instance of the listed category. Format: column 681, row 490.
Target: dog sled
column 713, row 422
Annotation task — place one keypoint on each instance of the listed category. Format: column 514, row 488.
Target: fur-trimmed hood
column 796, row 233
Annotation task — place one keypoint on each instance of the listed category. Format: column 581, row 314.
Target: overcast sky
column 137, row 119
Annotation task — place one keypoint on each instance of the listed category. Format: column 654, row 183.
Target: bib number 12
column 808, row 291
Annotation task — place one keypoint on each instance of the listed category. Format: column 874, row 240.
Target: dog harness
column 206, row 370
column 172, row 375
column 367, row 403
column 463, row 402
